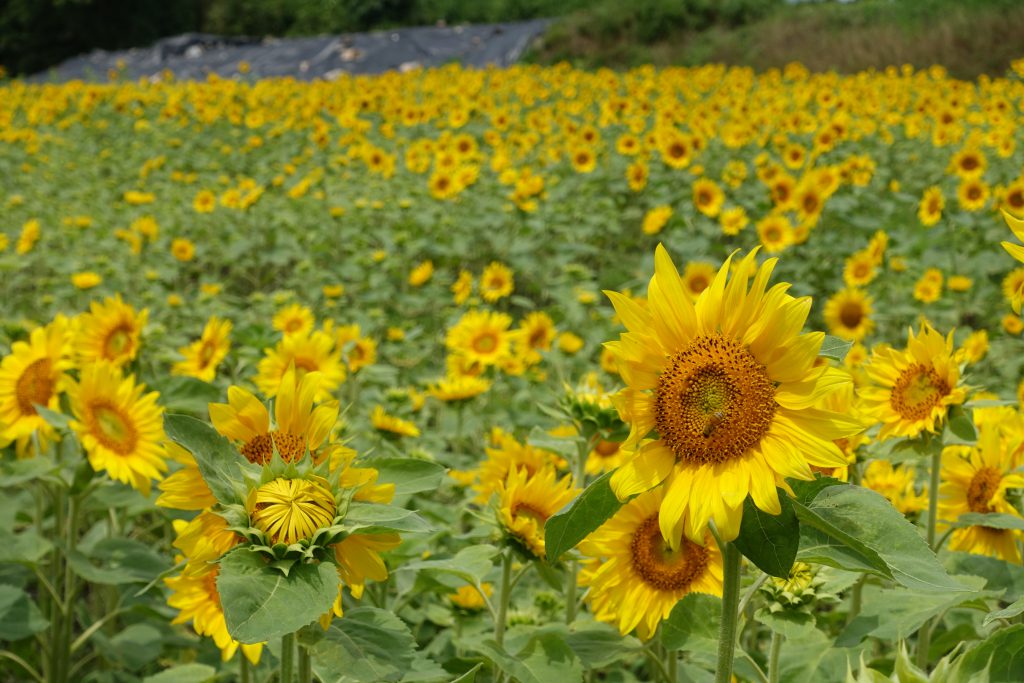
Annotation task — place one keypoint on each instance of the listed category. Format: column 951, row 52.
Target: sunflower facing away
column 635, row 577
column 731, row 386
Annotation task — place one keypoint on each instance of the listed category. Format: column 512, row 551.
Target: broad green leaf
column 367, row 645
column 17, row 472
column 811, row 659
column 28, row 546
column 114, row 561
column 591, row 509
column 835, row 348
column 693, row 623
column 260, row 603
column 53, row 418
column 993, row 520
column 187, row 394
column 545, row 658
column 998, row 575
column 790, row 624
column 136, row 645
column 959, row 428
column 1002, row 653
column 376, row 518
column 769, row 541
column 806, row 491
column 1006, row 613
column 469, row 564
column 19, row 616
column 184, row 673
column 219, row 462
column 867, row 525
column 409, row 475
column 599, row 645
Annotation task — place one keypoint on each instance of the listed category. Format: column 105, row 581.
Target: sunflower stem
column 924, row 634
column 672, row 665
column 503, row 598
column 244, row 674
column 855, row 599
column 731, row 560
column 305, row 665
column 773, row 658
column 287, row 658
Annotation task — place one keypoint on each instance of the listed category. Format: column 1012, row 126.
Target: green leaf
column 368, row 645
column 541, row 439
column 120, row 560
column 53, row 418
column 545, row 658
column 469, row 676
column 865, row 527
column 693, row 624
column 376, row 518
column 599, row 645
column 591, row 509
column 959, row 428
column 998, row 575
column 409, row 475
column 1006, row 613
column 770, row 541
column 187, row 394
column 184, row 673
column 17, row 472
column 219, row 462
column 992, row 520
column 469, row 564
column 793, row 625
column 260, row 603
column 835, row 348
column 19, row 616
column 1002, row 653
column 28, row 546
column 136, row 645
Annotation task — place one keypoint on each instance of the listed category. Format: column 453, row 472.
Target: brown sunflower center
column 810, row 203
column 485, row 343
column 118, row 342
column 112, row 428
column 260, row 449
column 293, row 325
column 851, row 314
column 206, row 353
column 522, row 509
column 714, row 401
column 661, row 567
column 983, row 486
column 606, row 449
column 918, row 389
column 34, row 386
column 973, row 192
column 697, row 284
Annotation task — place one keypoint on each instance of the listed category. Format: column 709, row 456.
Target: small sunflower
column 421, row 274
column 708, row 197
column 527, row 501
column 109, row 332
column 973, row 194
column 776, row 233
column 1016, row 251
column 536, row 333
column 294, row 319
column 697, row 276
column 506, row 455
column 204, row 355
column 391, row 425
column 463, row 287
column 913, row 389
column 929, row 211
column 655, row 219
column 306, row 352
column 897, row 484
column 848, row 314
column 859, row 269
column 496, row 282
column 120, row 427
column 452, row 389
column 481, row 337
column 635, row 578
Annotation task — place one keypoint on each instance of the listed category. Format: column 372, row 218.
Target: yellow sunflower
column 655, row 219
column 605, row 456
column 306, row 352
column 536, row 333
column 291, row 510
column 34, row 373
column 708, row 197
column 358, row 351
column 859, row 269
column 469, row 598
column 635, row 577
column 697, row 276
column 481, row 337
column 527, row 501
column 929, row 211
column 391, row 425
column 204, row 355
column 496, row 282
column 506, row 455
column 421, row 274
column 456, row 388
column 914, row 388
column 109, row 332
column 848, row 314
column 294, row 319
column 776, row 233
column 973, row 194
column 1016, row 251
column 463, row 287
column 120, row 427
column 976, row 480
column 1013, row 286
column 730, row 385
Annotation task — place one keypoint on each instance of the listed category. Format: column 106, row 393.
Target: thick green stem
column 244, row 672
column 503, row 598
column 856, row 598
column 287, row 658
column 924, row 634
column 672, row 665
column 305, row 666
column 731, row 560
column 773, row 658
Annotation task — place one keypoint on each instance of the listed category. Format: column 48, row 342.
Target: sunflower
column 481, row 337
column 605, row 456
column 527, row 501
column 636, row 175
column 583, row 159
column 120, row 427
column 635, row 577
column 968, row 163
column 655, row 219
column 204, row 355
column 291, row 510
column 109, row 332
column 1013, row 286
column 391, row 425
column 463, row 287
column 358, row 559
column 859, row 269
column 294, row 319
column 1013, row 197
column 975, row 480
column 674, row 149
column 452, row 389
column 184, row 489
column 298, row 425
column 729, row 384
column 34, row 373
column 929, row 211
column 697, row 276
column 536, row 332
column 183, row 249
column 973, row 194
column 848, row 314
column 896, row 484
column 496, row 282
column 974, row 348
column 1016, row 251
column 708, row 197
column 359, row 351
column 469, row 598
column 914, row 388
column 421, row 274
column 733, row 220
column 306, row 352
column 506, row 455
column 775, row 233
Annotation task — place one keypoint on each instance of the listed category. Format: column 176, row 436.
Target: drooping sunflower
column 306, row 352
column 913, row 389
column 120, row 427
column 391, row 425
column 34, row 373
column 481, row 337
column 635, row 577
column 976, row 480
column 204, row 355
column 730, row 385
column 527, row 501
column 848, row 314
column 496, row 282
column 109, row 332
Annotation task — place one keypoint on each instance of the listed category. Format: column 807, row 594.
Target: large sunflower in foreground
column 120, row 427
column 976, row 480
column 1015, row 250
column 914, row 388
column 635, row 578
column 728, row 387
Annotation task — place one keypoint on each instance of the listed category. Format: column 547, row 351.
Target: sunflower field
column 530, row 375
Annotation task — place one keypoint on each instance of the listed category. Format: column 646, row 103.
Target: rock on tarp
column 196, row 55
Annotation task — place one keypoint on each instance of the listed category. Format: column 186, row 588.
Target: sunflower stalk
column 731, row 561
column 773, row 658
column 924, row 634
column 305, row 665
column 287, row 674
